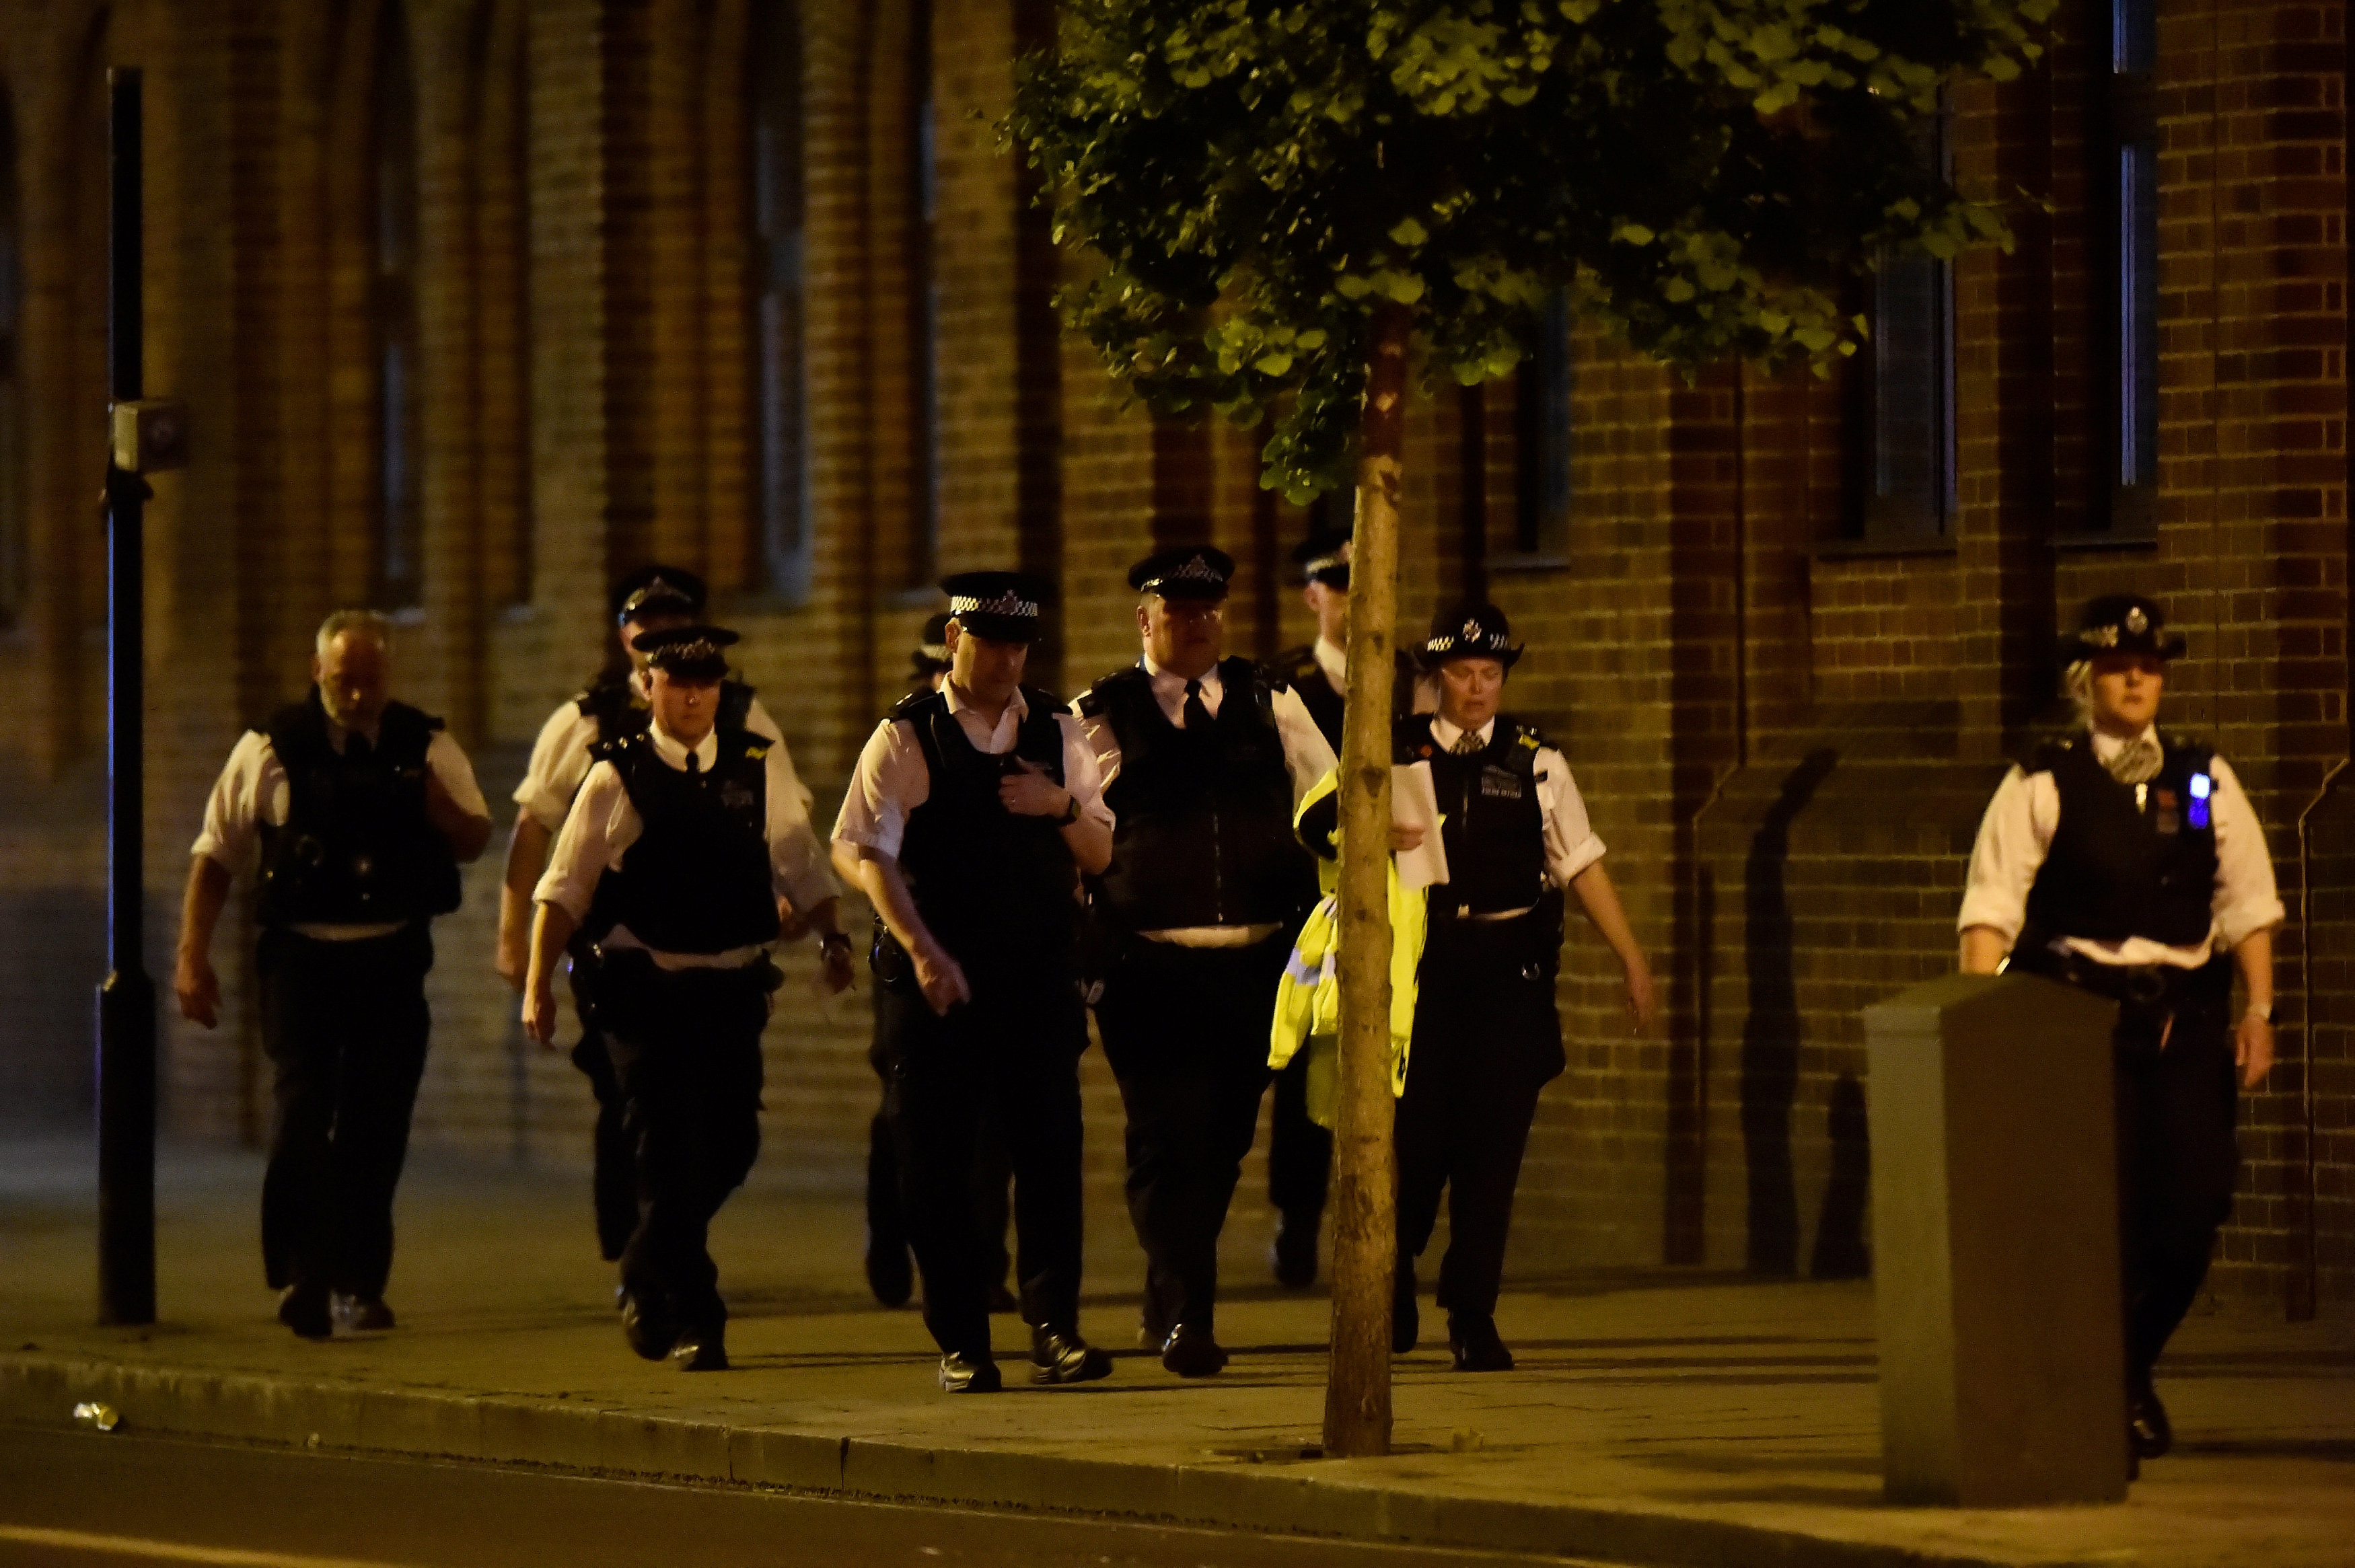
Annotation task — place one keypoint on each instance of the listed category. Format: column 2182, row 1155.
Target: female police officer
column 2129, row 862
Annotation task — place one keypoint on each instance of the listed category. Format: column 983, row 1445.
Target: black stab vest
column 696, row 879
column 1493, row 823
column 616, row 711
column 1298, row 668
column 357, row 846
column 2114, row 871
column 1203, row 823
column 992, row 886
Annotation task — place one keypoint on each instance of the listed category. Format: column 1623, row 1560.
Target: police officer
column 2127, row 861
column 970, row 816
column 654, row 599
column 1487, row 1035
column 364, row 808
column 1204, row 761
column 890, row 1273
column 685, row 839
column 1299, row 1152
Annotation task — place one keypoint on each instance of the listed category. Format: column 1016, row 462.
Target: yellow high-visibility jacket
column 1308, row 997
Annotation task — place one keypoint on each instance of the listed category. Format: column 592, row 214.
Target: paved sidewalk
column 1670, row 1418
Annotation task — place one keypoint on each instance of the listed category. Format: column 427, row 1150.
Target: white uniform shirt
column 559, row 758
column 252, row 791
column 604, row 824
column 892, row 779
column 1571, row 845
column 1306, row 758
column 2017, row 834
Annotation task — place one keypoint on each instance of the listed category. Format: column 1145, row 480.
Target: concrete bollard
column 1995, row 1222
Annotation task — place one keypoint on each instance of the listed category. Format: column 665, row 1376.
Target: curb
column 41, row 1391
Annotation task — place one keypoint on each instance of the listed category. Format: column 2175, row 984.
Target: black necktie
column 694, row 764
column 357, row 747
column 1196, row 714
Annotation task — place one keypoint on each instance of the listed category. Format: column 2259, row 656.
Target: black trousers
column 1487, row 1037
column 1008, row 1057
column 345, row 1026
column 1299, row 1152
column 686, row 1051
column 993, row 1174
column 1186, row 1033
column 2178, row 1160
column 612, row 1180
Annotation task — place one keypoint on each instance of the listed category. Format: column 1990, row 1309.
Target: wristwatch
column 1070, row 812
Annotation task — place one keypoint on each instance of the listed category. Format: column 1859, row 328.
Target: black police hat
column 2121, row 623
column 1470, row 631
column 1000, row 606
column 932, row 654
column 1324, row 557
column 689, row 652
column 1190, row 571
column 658, row 590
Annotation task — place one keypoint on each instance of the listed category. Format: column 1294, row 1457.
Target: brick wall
column 1787, row 741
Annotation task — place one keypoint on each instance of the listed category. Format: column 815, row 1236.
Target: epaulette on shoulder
column 612, row 748
column 906, row 706
column 2046, row 754
column 1093, row 700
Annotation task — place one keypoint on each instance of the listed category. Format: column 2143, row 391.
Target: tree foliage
column 1705, row 177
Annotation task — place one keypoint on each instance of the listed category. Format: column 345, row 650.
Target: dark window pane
column 1542, row 409
column 401, row 537
column 15, row 551
column 924, row 304
column 779, row 327
column 1912, row 398
column 2138, row 314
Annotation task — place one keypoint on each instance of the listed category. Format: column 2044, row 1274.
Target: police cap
column 2121, row 623
column 686, row 652
column 1000, row 606
column 1190, row 571
column 1324, row 557
column 1470, row 631
column 658, row 590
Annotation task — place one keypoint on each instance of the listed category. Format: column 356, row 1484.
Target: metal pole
column 126, row 1001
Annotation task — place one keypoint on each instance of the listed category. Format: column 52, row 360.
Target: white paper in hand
column 1414, row 802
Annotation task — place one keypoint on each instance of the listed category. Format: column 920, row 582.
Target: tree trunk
column 1365, row 1166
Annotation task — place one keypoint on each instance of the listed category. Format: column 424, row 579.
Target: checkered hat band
column 1004, row 604
column 1324, row 564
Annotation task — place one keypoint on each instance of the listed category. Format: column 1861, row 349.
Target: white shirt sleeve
column 1103, row 743
column 1571, row 843
column 601, row 826
column 757, row 721
column 890, row 781
column 1307, row 756
column 559, row 761
column 2015, row 835
column 251, row 790
column 2247, row 900
column 1081, row 774
column 797, row 862
column 448, row 760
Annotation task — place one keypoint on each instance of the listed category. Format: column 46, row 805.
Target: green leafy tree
column 1296, row 204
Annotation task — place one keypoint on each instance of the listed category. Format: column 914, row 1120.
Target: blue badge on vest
column 2202, row 787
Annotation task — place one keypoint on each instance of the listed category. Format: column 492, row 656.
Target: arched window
column 400, row 566
column 15, row 551
column 774, row 90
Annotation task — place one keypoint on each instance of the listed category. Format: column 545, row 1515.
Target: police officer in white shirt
column 2128, row 862
column 972, row 813
column 1204, row 760
column 681, row 847
column 364, row 808
column 653, row 599
column 1488, row 1034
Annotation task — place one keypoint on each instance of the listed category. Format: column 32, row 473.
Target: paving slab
column 1663, row 1417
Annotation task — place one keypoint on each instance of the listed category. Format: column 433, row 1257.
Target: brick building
column 475, row 301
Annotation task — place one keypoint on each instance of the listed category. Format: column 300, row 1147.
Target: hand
column 941, row 977
column 198, row 989
column 513, row 960
column 1643, row 1005
column 792, row 925
column 539, row 1013
column 1030, row 793
column 833, row 964
column 1406, row 837
column 2252, row 1049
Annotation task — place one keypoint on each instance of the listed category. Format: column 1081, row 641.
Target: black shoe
column 360, row 1314
column 1475, row 1345
column 646, row 1330
column 1293, row 1253
column 700, row 1349
column 1192, row 1352
column 889, row 1273
column 1406, row 1316
column 2148, row 1433
column 1002, row 1301
column 1060, row 1355
column 303, row 1309
column 970, row 1374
